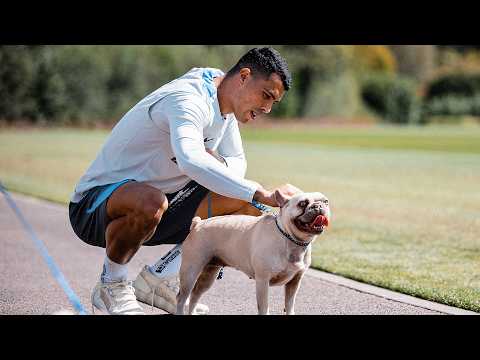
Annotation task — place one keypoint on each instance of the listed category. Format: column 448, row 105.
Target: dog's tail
column 195, row 221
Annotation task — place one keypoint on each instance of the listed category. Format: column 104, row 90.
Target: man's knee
column 248, row 209
column 142, row 204
column 152, row 207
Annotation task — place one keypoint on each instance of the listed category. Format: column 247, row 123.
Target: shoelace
column 171, row 284
column 123, row 292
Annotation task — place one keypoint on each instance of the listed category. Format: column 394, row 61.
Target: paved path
column 27, row 286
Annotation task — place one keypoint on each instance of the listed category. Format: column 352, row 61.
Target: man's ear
column 281, row 199
column 244, row 73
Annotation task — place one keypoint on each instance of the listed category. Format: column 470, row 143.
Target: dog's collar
column 289, row 237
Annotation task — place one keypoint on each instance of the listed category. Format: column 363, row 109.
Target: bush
column 313, row 68
column 55, row 83
column 392, row 97
column 452, row 105
column 288, row 107
column 17, row 73
column 454, row 84
column 337, row 97
column 126, row 81
column 454, row 91
column 86, row 84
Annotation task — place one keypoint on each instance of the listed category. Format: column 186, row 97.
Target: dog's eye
column 303, row 203
column 325, row 201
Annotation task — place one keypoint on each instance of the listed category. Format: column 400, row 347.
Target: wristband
column 259, row 206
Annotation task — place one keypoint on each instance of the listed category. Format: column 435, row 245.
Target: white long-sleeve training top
column 162, row 140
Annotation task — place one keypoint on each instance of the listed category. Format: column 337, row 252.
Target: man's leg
column 222, row 205
column 134, row 210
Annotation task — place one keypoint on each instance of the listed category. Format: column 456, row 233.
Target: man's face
column 256, row 95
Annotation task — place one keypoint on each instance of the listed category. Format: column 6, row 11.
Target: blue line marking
column 57, row 274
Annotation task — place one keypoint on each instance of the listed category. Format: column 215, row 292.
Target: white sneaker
column 116, row 298
column 161, row 292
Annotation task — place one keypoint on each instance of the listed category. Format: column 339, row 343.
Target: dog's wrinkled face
column 304, row 214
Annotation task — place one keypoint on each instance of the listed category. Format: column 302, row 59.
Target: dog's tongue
column 320, row 220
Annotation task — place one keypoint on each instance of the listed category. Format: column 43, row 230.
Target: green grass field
column 405, row 202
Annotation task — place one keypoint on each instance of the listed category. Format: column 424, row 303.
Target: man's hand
column 288, row 189
column 265, row 197
column 268, row 197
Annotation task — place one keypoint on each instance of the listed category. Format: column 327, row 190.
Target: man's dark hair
column 265, row 61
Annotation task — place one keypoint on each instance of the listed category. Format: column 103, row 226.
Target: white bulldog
column 272, row 249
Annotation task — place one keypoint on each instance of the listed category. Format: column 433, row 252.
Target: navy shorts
column 89, row 217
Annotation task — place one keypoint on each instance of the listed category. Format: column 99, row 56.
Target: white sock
column 169, row 264
column 113, row 272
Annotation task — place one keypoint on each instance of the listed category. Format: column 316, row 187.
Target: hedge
column 393, row 98
column 454, row 84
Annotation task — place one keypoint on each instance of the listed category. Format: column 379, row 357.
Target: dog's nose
column 316, row 206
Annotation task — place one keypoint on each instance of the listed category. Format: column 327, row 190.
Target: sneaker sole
column 159, row 302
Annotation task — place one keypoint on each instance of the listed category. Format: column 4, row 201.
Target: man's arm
column 261, row 195
column 186, row 116
column 231, row 149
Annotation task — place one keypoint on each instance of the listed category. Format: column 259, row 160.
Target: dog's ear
column 281, row 198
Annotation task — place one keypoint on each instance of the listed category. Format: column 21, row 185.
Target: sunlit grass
column 404, row 220
column 446, row 138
